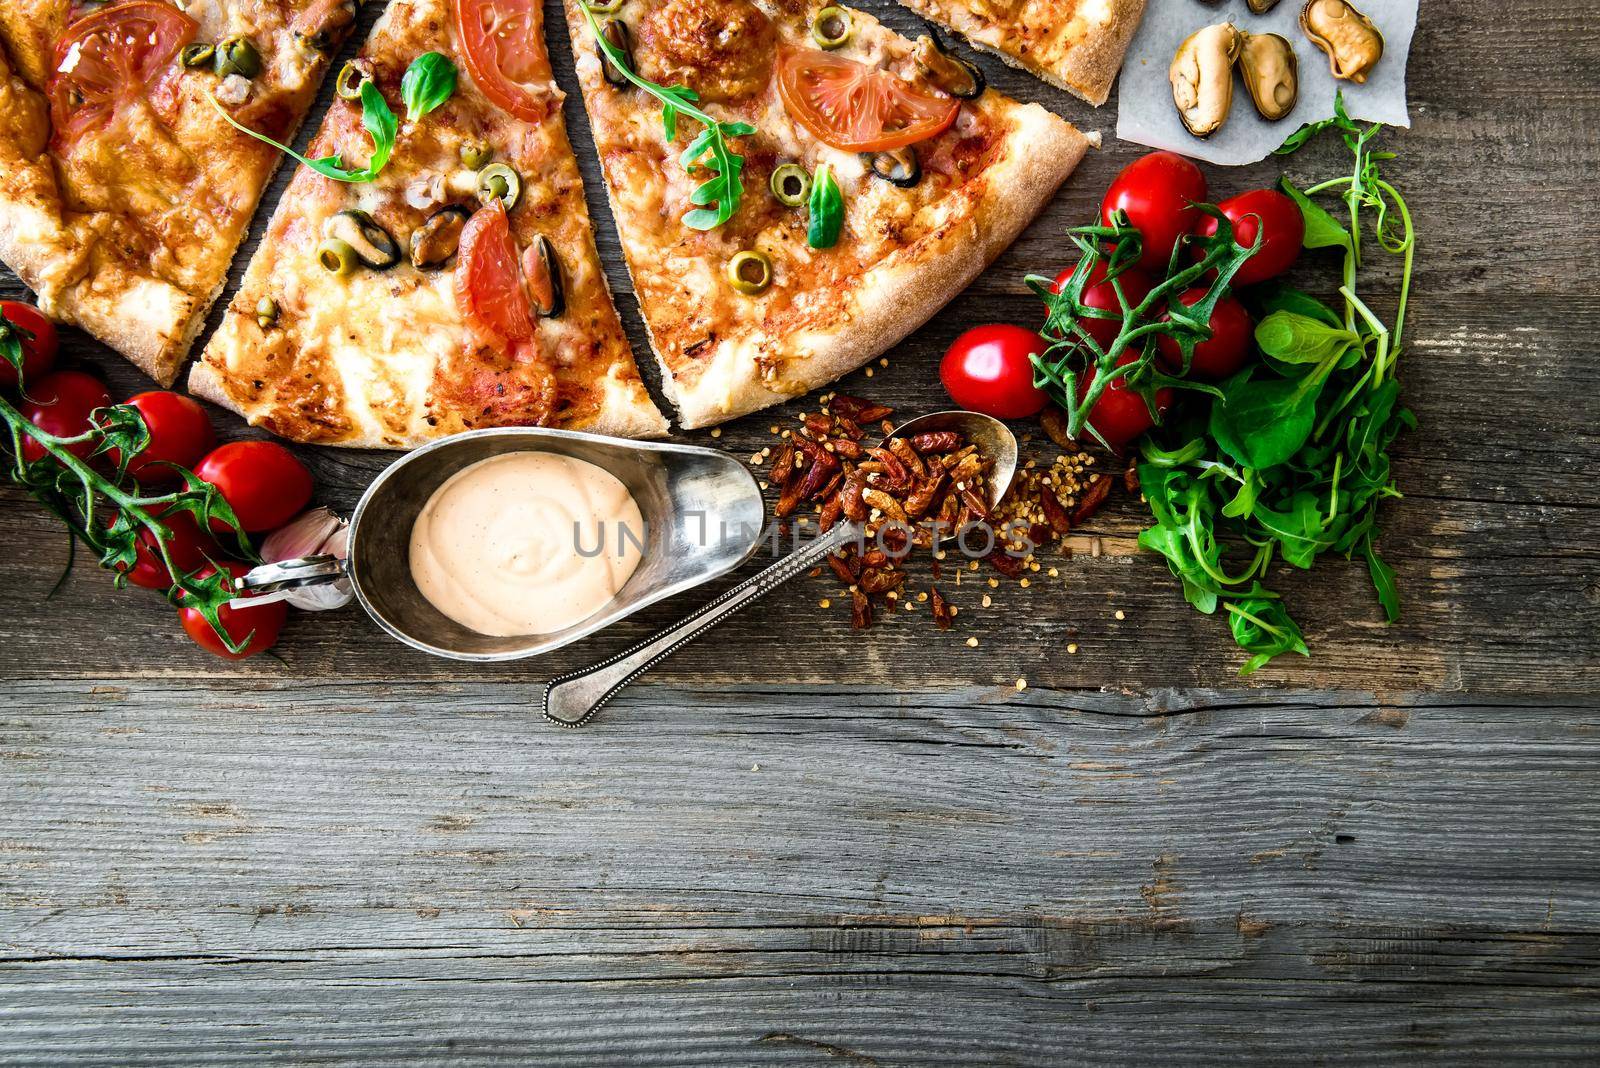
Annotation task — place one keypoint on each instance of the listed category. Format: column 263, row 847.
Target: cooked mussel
column 320, row 27
column 1261, row 7
column 546, row 285
column 618, row 36
column 898, row 167
column 1202, row 77
column 948, row 71
column 1352, row 42
column 374, row 246
column 436, row 241
column 1271, row 73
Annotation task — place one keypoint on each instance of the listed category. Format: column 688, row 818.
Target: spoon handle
column 571, row 700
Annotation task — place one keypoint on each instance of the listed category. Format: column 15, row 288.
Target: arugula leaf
column 826, row 207
column 717, row 198
column 1262, row 626
column 379, row 122
column 428, row 83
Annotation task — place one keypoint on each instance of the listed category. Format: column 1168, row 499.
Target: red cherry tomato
column 260, row 624
column 1158, row 193
column 1232, row 333
column 60, row 404
column 1282, row 228
column 1099, row 294
column 1120, row 415
column 988, row 370
column 261, row 481
column 189, row 547
column 38, row 352
column 180, row 434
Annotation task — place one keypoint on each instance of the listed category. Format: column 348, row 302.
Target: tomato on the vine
column 1280, row 223
column 261, row 481
column 1099, row 294
column 60, row 405
column 189, row 546
column 1232, row 333
column 1120, row 415
column 260, row 624
column 988, row 369
column 39, row 343
column 180, row 434
column 1158, row 193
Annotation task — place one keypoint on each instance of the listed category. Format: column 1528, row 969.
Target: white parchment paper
column 1146, row 114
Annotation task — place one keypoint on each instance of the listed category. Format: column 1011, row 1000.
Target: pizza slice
column 797, row 189
column 1077, row 45
column 123, row 194
column 433, row 269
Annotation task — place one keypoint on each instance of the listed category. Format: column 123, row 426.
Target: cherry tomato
column 490, row 290
column 38, row 352
column 1158, row 193
column 189, row 547
column 1120, row 415
column 1282, row 227
column 1098, row 293
column 261, row 624
column 1232, row 334
column 857, row 108
column 60, row 405
column 112, row 57
column 503, row 45
column 261, row 481
column 988, row 370
column 180, row 434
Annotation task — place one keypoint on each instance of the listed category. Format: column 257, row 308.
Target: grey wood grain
column 806, row 846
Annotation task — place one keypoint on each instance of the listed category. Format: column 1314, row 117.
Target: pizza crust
column 1087, row 69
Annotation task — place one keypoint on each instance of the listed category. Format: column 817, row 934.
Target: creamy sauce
column 513, row 545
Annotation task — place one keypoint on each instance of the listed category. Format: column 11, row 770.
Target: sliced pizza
column 433, row 269
column 123, row 194
column 797, row 188
column 1078, row 45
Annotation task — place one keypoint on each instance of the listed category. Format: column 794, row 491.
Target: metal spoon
column 571, row 700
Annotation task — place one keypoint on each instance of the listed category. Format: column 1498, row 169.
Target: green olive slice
column 475, row 155
column 197, row 55
column 266, row 313
column 606, row 7
column 750, row 272
column 352, row 76
column 238, row 55
column 499, row 182
column 337, row 257
column 790, row 184
column 832, row 27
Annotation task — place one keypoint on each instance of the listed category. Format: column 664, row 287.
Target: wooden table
column 798, row 845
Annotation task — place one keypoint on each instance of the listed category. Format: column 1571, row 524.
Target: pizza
column 798, row 187
column 449, row 279
column 1078, row 45
column 123, row 194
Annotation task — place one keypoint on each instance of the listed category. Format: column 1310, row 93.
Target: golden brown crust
column 128, row 229
column 1077, row 45
column 904, row 252
column 384, row 358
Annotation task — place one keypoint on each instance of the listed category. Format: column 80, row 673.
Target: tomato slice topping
column 490, row 290
column 112, row 57
column 857, row 108
column 503, row 44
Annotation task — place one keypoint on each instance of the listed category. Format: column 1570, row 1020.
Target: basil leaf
column 1322, row 229
column 428, row 83
column 826, row 208
column 1263, row 424
column 1295, row 338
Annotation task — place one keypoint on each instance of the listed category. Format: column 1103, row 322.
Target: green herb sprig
column 825, row 207
column 110, row 512
column 1074, row 356
column 427, row 84
column 1292, row 459
column 380, row 123
column 717, row 198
